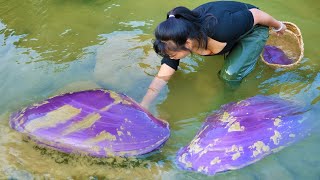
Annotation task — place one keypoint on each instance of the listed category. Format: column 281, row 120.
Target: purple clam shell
column 95, row 122
column 274, row 55
column 242, row 133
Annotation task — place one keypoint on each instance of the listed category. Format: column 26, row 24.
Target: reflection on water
column 50, row 47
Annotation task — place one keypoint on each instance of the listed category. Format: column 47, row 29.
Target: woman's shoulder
column 232, row 19
column 217, row 7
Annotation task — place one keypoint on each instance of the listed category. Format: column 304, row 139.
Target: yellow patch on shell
column 243, row 103
column 126, row 102
column 227, row 118
column 216, row 160
column 259, row 147
column 194, row 147
column 106, row 108
column 206, row 149
column 236, row 151
column 197, row 136
column 85, row 123
column 53, row 118
column 117, row 98
column 236, row 155
column 21, row 113
column 277, row 122
column 203, row 169
column 21, row 118
column 120, row 133
column 276, row 137
column 236, row 127
column 101, row 137
column 40, row 104
column 183, row 160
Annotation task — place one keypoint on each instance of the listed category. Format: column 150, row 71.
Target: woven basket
column 291, row 43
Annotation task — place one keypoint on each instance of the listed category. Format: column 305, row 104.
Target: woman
column 234, row 29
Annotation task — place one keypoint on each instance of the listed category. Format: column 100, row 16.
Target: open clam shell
column 241, row 133
column 95, row 122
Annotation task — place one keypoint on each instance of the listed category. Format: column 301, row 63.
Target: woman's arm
column 263, row 18
column 157, row 84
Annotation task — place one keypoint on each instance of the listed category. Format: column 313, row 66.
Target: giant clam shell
column 95, row 122
column 241, row 133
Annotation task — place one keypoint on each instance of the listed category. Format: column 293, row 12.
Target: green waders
column 242, row 59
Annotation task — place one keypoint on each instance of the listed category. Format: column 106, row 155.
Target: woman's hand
column 154, row 89
column 157, row 84
column 282, row 28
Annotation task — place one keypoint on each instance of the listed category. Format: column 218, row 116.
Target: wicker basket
column 291, row 43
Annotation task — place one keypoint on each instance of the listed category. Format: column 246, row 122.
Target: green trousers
column 242, row 59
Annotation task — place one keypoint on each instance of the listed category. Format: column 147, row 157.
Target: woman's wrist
column 154, row 89
column 280, row 28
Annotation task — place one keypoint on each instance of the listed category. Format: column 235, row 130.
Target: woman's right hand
column 156, row 85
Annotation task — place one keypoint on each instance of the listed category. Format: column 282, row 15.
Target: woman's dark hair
column 173, row 33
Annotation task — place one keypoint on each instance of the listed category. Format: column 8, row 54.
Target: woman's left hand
column 281, row 29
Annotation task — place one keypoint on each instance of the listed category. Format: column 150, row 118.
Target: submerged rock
column 241, row 133
column 95, row 122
